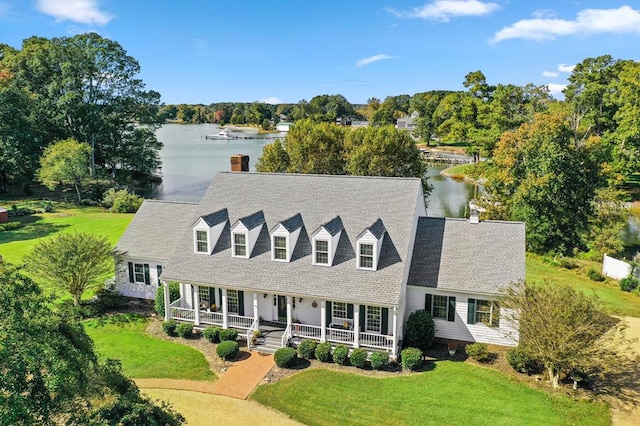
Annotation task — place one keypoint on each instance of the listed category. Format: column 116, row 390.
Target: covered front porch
column 337, row 322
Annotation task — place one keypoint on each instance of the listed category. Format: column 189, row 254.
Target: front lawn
column 452, row 393
column 123, row 337
column 614, row 300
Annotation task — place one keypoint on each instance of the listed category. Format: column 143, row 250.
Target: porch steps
column 272, row 337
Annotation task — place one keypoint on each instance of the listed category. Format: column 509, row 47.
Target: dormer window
column 245, row 233
column 280, row 248
column 369, row 245
column 202, row 242
column 321, row 248
column 325, row 242
column 284, row 237
column 239, row 245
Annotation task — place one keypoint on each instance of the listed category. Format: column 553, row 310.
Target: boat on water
column 224, row 133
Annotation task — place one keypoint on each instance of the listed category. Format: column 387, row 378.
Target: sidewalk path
column 237, row 382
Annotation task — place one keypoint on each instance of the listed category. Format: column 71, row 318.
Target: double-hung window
column 339, row 311
column 441, row 307
column 366, row 256
column 280, row 248
column 203, row 294
column 322, row 252
column 239, row 245
column 138, row 272
column 202, row 242
column 232, row 301
column 374, row 318
column 483, row 311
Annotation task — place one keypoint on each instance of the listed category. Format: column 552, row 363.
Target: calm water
column 189, row 162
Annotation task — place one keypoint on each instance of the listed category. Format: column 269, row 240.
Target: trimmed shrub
column 185, row 330
column 169, row 327
column 285, row 357
column 521, row 361
column 10, row 226
column 478, row 351
column 227, row 350
column 420, row 330
column 121, row 201
column 174, row 294
column 629, row 283
column 228, row 334
column 212, row 334
column 594, row 275
column 568, row 263
column 109, row 299
column 323, row 352
column 341, row 355
column 379, row 360
column 411, row 358
column 358, row 357
column 307, row 348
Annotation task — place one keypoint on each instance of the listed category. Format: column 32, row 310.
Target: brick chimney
column 240, row 163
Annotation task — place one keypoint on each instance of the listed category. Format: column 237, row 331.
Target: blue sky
column 203, row 51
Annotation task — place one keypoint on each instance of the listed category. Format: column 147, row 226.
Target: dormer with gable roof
column 207, row 230
column 325, row 242
column 244, row 234
column 284, row 237
column 369, row 244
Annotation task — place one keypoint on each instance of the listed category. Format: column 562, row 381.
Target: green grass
column 460, row 169
column 143, row 356
column 452, row 393
column 614, row 300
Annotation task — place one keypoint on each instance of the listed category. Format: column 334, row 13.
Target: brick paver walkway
column 237, row 382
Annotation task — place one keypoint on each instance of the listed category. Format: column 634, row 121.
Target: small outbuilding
column 4, row 215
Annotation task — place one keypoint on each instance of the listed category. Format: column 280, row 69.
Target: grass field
column 143, row 356
column 613, row 299
column 452, row 393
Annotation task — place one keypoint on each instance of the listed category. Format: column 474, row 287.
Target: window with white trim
column 280, row 248
column 239, row 245
column 202, row 242
column 366, row 256
column 339, row 311
column 374, row 319
column 440, row 307
column 138, row 272
column 322, row 252
column 487, row 312
column 203, row 293
column 232, row 301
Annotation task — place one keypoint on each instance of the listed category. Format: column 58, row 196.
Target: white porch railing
column 306, row 331
column 339, row 336
column 250, row 331
column 284, row 341
column 372, row 340
column 182, row 314
column 207, row 317
column 237, row 321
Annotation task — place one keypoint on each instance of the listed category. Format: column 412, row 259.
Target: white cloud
column 272, row 100
column 372, row 59
column 550, row 74
column 81, row 11
column 444, row 10
column 589, row 21
column 556, row 89
column 565, row 68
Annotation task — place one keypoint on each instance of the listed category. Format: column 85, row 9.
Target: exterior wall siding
column 132, row 289
column 505, row 335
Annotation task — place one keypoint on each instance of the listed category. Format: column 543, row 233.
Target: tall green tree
column 625, row 137
column 72, row 262
column 65, row 162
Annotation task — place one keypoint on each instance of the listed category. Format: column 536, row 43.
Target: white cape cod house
column 341, row 259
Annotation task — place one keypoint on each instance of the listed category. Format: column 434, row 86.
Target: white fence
column 616, row 269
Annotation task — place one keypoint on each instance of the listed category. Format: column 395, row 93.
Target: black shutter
column 363, row 311
column 212, row 296
column 471, row 311
column 451, row 315
column 131, row 277
column 220, row 294
column 159, row 271
column 241, row 303
column 350, row 311
column 428, row 306
column 385, row 321
column 147, row 278
column 328, row 313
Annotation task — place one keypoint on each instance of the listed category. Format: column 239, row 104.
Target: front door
column 282, row 308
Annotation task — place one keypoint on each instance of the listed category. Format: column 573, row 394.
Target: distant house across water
column 408, row 123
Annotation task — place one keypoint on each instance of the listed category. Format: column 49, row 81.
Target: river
column 189, row 162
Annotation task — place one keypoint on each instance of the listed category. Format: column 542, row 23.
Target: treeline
column 84, row 88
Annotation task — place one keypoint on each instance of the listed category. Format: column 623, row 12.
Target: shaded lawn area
column 614, row 300
column 452, row 393
column 122, row 337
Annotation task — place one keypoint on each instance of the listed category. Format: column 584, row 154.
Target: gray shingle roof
column 453, row 254
column 333, row 226
column 156, row 228
column 216, row 218
column 252, row 220
column 358, row 201
column 293, row 223
column 377, row 229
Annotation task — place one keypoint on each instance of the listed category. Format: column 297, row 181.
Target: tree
column 608, row 222
column 274, row 158
column 72, row 262
column 50, row 372
column 626, row 135
column 65, row 162
column 315, row 148
column 562, row 328
column 420, row 330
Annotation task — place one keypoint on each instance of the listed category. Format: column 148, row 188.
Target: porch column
column 356, row 325
column 196, row 305
column 225, row 312
column 289, row 311
column 395, row 333
column 323, row 320
column 167, row 301
column 256, row 316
